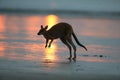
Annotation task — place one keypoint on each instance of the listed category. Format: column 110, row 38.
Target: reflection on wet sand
column 102, row 28
column 2, row 26
column 18, row 39
column 2, row 23
column 14, row 27
column 2, row 30
column 50, row 55
column 2, row 49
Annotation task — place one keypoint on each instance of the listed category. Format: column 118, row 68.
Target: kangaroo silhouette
column 64, row 31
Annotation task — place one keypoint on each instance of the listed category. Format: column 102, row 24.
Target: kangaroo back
column 59, row 30
column 78, row 41
column 63, row 31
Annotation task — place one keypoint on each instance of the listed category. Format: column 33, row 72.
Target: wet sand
column 60, row 70
column 23, row 56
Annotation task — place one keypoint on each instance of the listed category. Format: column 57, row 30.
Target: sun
column 51, row 20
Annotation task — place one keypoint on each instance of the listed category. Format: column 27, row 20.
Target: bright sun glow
column 51, row 20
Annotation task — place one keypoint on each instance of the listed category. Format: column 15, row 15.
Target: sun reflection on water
column 14, row 51
column 18, row 39
column 50, row 53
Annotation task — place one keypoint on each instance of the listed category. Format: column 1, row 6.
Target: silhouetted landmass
column 64, row 12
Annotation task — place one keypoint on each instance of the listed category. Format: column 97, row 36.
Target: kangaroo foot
column 74, row 58
column 46, row 46
column 69, row 58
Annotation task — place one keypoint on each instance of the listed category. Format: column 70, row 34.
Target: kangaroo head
column 42, row 30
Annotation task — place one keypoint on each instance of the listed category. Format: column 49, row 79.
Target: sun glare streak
column 2, row 30
column 2, row 26
column 2, row 20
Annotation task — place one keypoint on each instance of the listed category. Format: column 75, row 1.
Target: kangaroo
column 63, row 31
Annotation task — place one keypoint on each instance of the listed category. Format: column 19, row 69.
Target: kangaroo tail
column 78, row 41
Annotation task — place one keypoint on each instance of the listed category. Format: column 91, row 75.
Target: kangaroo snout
column 38, row 33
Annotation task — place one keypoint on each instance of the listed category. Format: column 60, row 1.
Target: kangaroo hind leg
column 69, row 47
column 73, row 45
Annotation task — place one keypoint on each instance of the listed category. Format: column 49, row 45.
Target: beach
column 23, row 55
column 37, row 70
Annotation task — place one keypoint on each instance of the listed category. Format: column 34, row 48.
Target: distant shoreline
column 64, row 12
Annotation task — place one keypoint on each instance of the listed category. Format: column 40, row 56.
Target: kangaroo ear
column 46, row 26
column 41, row 26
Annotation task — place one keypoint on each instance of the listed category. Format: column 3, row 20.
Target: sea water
column 19, row 39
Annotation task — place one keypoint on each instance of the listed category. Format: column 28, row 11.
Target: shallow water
column 19, row 39
column 23, row 54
